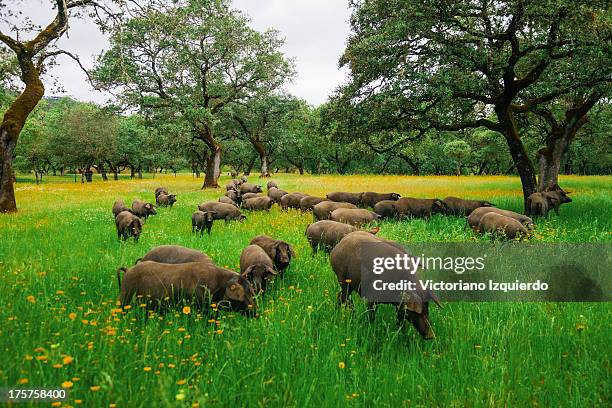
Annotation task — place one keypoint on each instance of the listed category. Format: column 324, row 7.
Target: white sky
column 315, row 33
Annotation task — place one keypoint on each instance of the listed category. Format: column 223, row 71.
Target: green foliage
column 191, row 60
column 416, row 66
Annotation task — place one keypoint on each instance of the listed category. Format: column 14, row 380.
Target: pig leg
column 315, row 248
column 344, row 294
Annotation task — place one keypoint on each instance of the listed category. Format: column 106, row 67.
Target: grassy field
column 60, row 326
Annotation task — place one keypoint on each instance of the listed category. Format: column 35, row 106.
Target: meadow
column 61, row 326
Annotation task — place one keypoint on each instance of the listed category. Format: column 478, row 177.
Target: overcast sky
column 315, row 32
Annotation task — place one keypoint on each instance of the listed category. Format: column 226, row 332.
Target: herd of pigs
column 171, row 274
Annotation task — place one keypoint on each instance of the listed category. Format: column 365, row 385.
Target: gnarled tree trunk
column 11, row 126
column 549, row 161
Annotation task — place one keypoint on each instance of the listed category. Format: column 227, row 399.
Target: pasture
column 61, row 326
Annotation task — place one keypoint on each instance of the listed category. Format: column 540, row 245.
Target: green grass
column 59, row 254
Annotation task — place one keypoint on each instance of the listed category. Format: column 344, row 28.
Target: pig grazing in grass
column 279, row 251
column 249, row 188
column 323, row 210
column 459, row 206
column 276, row 194
column 119, row 206
column 165, row 200
column 474, row 218
column 500, row 226
column 346, row 261
column 250, row 195
column 202, row 220
column 161, row 190
column 537, row 204
column 308, row 202
column 227, row 200
column 326, row 234
column 175, row 254
column 271, row 184
column 386, row 209
column 142, row 209
column 541, row 203
column 257, row 267
column 369, row 199
column 128, row 225
column 343, row 197
column 419, row 207
column 202, row 283
column 556, row 198
column 257, row 203
column 356, row 217
column 291, row 200
column 222, row 211
column 234, row 196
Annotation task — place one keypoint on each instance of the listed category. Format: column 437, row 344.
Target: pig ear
column 413, row 302
column 248, row 271
column 147, row 205
column 374, row 230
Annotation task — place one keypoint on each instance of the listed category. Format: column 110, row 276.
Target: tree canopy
column 192, row 59
column 466, row 64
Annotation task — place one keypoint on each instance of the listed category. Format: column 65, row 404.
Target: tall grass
column 61, row 326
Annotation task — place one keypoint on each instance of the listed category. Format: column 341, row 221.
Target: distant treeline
column 64, row 135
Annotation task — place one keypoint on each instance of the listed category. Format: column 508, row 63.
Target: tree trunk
column 11, row 126
column 36, row 177
column 213, row 169
column 549, row 166
column 550, row 157
column 249, row 168
column 102, row 170
column 263, row 157
column 264, row 167
column 140, row 172
column 520, row 158
column 132, row 171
